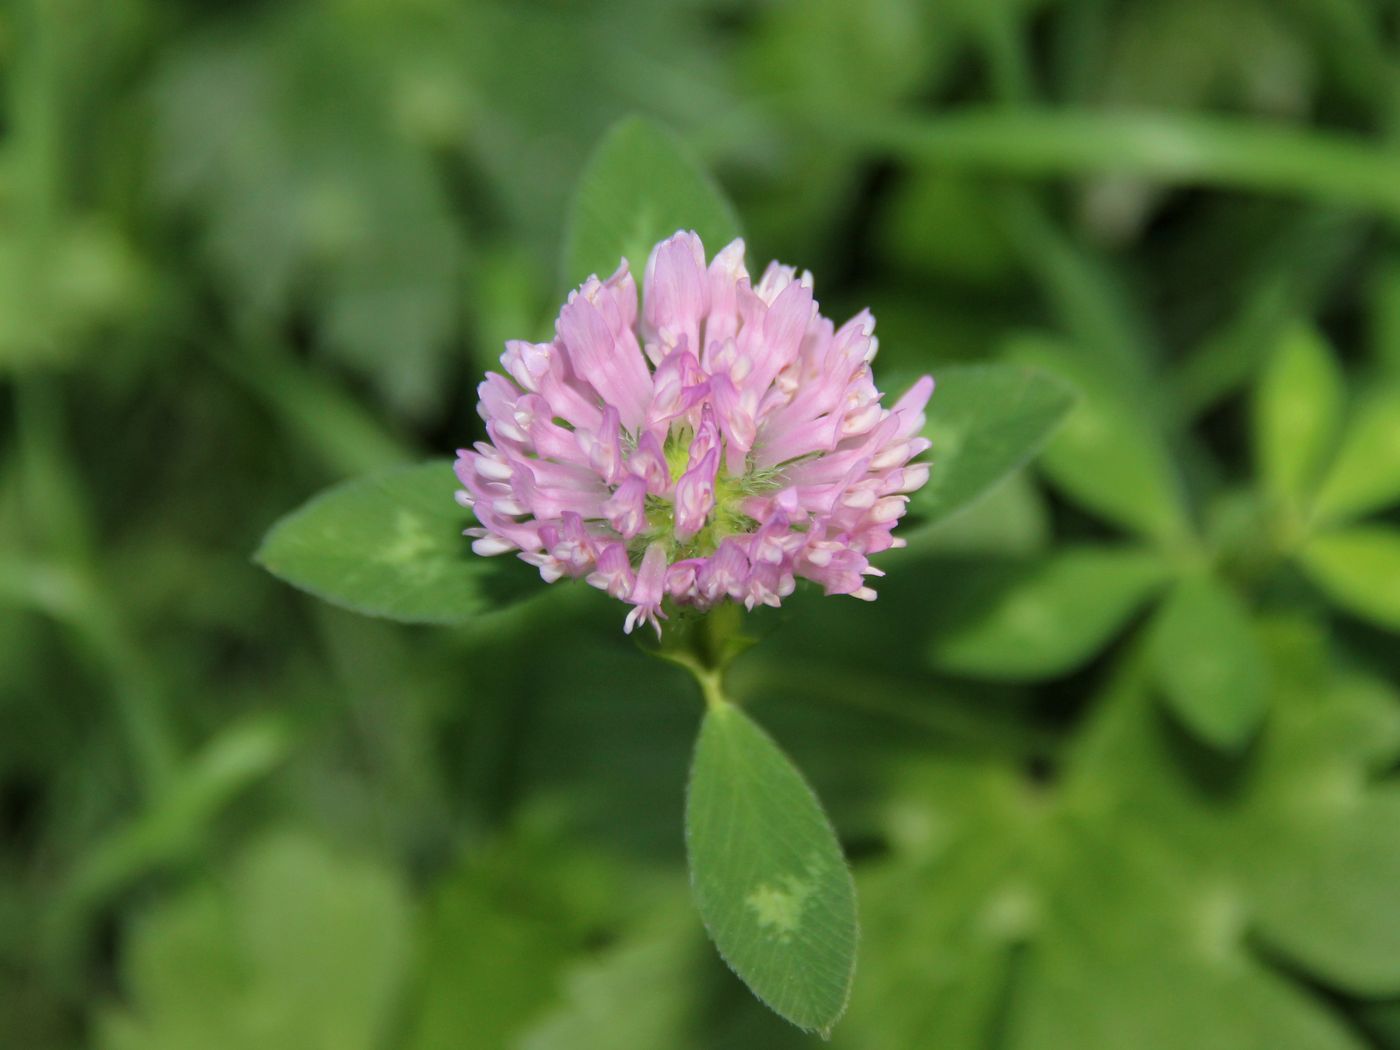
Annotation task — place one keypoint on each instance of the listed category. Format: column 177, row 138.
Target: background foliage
column 1114, row 754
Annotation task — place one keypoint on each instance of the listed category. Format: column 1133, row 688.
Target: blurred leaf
column 1345, row 937
column 391, row 544
column 640, row 187
column 1012, row 519
column 532, row 111
column 1104, row 325
column 1365, row 475
column 1385, row 316
column 1300, row 265
column 819, row 58
column 1359, row 568
column 497, row 935
column 1315, row 835
column 1384, row 1020
column 304, row 949
column 1052, row 615
column 68, row 268
column 60, row 289
column 1121, row 903
column 985, row 421
column 311, row 198
column 659, row 986
column 768, row 873
column 316, row 411
column 179, row 821
column 507, row 303
column 938, row 227
column 1297, row 411
column 1108, row 455
column 638, row 994
column 1208, row 664
column 1186, row 55
column 831, row 55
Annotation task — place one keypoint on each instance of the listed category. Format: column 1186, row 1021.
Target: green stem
column 139, row 699
column 1219, row 151
column 709, row 676
column 705, row 644
column 711, row 682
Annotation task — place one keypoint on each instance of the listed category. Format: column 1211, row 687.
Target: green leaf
column 1384, row 1020
column 178, row 825
column 1297, row 409
column 858, row 58
column 1016, row 913
column 1011, row 520
column 971, row 248
column 985, row 421
column 768, row 874
column 1208, row 664
column 498, row 933
column 1365, row 476
column 1051, row 615
column 391, row 545
column 1348, row 937
column 1108, row 456
column 1360, row 569
column 296, row 947
column 642, row 993
column 639, row 187
column 312, row 200
column 637, row 994
column 1385, row 327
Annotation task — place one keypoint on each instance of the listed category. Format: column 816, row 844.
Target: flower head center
column 723, row 501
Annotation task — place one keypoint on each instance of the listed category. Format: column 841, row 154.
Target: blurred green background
column 251, row 249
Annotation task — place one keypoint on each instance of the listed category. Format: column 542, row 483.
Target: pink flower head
column 718, row 445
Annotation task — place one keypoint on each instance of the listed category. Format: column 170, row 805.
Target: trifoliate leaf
column 768, row 873
column 1123, row 901
column 640, row 187
column 1207, row 662
column 984, row 422
column 1051, row 615
column 391, row 545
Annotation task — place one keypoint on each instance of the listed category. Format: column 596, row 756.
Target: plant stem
column 1216, row 151
column 705, row 644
